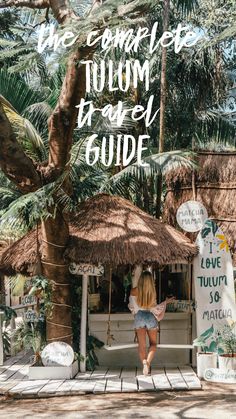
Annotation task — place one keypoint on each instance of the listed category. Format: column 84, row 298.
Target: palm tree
column 46, row 186
column 30, row 177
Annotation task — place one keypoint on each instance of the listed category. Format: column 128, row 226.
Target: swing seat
column 118, row 346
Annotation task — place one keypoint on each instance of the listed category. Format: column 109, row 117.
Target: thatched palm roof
column 108, row 230
column 215, row 185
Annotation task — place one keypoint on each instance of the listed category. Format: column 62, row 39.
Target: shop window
column 173, row 280
column 120, row 291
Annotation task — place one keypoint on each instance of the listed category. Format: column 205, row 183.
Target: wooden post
column 13, row 327
column 1, row 339
column 83, row 326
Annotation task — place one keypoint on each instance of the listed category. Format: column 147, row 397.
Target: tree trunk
column 162, row 104
column 55, row 232
column 21, row 170
column 62, row 122
column 55, row 236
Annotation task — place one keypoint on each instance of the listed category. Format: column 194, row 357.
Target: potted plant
column 227, row 344
column 207, row 357
column 29, row 335
column 7, row 315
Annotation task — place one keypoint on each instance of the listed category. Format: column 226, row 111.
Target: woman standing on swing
column 147, row 314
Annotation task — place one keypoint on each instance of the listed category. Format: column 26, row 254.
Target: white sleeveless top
column 158, row 310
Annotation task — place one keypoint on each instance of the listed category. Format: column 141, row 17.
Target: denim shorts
column 144, row 319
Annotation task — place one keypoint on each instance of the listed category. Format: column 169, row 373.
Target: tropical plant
column 92, row 344
column 30, row 335
column 44, row 181
column 227, row 339
column 42, row 290
column 207, row 341
column 8, row 315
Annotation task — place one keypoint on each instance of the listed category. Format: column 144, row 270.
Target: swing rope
column 110, row 337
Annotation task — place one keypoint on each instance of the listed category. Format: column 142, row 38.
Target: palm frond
column 17, row 92
column 156, row 164
column 28, row 209
column 7, row 196
column 186, row 6
column 26, row 134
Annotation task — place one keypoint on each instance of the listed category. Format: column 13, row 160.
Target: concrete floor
column 214, row 401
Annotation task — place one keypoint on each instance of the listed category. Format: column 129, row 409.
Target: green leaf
column 205, row 335
column 204, row 232
column 213, row 347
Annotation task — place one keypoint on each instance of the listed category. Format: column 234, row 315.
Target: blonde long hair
column 146, row 297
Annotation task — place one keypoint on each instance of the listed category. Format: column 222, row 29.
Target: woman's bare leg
column 141, row 333
column 152, row 334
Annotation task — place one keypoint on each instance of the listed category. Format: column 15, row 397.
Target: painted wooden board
column 139, row 371
column 7, row 385
column 176, row 380
column 100, row 386
column 83, row 375
column 190, row 378
column 99, row 374
column 50, row 388
column 129, row 385
column 120, row 346
column 113, row 385
column 34, row 386
column 128, row 373
column 22, row 373
column 145, row 383
column 28, row 387
column 83, row 386
column 174, row 346
column 116, row 347
column 186, row 368
column 111, row 374
column 160, row 379
column 14, row 368
column 10, row 361
column 65, row 387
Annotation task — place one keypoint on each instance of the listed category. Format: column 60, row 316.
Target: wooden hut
column 107, row 230
column 214, row 185
column 111, row 231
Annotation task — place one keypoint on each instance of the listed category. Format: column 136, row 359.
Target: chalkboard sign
column 213, row 279
column 57, row 353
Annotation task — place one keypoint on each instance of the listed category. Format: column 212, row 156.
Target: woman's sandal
column 146, row 367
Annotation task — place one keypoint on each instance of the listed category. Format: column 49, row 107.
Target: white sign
column 216, row 375
column 28, row 300
column 181, row 306
column 85, row 269
column 191, row 216
column 32, row 316
column 213, row 279
column 57, row 353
